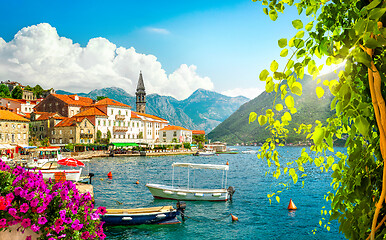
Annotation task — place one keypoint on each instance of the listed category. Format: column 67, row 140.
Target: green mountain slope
column 236, row 129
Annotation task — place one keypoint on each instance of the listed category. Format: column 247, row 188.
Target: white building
column 177, row 134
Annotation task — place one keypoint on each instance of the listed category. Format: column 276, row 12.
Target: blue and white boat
column 137, row 216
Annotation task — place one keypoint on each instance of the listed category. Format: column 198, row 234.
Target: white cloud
column 38, row 55
column 157, row 30
column 250, row 93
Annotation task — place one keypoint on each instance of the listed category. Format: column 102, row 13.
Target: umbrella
column 70, row 162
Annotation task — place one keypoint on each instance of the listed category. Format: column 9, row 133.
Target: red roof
column 108, row 101
column 150, row 116
column 23, row 101
column 74, row 99
column 198, row 132
column 93, row 111
column 48, row 115
column 134, row 115
column 171, row 127
column 68, row 122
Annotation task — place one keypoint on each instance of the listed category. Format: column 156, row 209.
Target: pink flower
column 34, row 202
column 102, row 210
column 28, row 238
column 12, row 211
column 26, row 223
column 59, row 222
column 35, row 228
column 24, row 208
column 85, row 235
column 42, row 220
column 3, row 222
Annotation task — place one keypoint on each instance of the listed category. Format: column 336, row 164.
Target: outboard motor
column 91, row 175
column 231, row 190
column 181, row 208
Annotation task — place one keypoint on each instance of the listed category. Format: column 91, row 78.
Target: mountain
column 203, row 110
column 236, row 128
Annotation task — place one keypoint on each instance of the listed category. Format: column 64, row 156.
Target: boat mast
column 173, row 178
column 226, row 177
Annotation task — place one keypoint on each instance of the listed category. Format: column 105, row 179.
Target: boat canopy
column 201, row 166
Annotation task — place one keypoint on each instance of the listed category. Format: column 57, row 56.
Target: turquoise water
column 210, row 220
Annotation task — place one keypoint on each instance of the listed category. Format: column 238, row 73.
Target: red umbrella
column 70, row 162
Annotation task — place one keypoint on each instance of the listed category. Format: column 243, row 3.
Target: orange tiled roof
column 68, row 122
column 93, row 111
column 134, row 115
column 23, row 101
column 70, row 100
column 10, row 116
column 108, row 101
column 48, row 115
column 150, row 116
column 171, row 127
column 198, row 132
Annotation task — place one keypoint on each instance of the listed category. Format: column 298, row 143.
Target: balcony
column 120, row 117
column 86, row 135
column 120, row 129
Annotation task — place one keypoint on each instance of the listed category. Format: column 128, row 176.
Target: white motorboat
column 196, row 194
column 205, row 152
column 44, row 158
column 71, row 175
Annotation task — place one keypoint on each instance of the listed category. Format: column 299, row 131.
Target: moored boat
column 44, row 158
column 193, row 194
column 70, row 175
column 137, row 216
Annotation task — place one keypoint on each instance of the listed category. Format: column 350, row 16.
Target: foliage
column 98, row 136
column 108, row 136
column 187, row 145
column 140, row 135
column 200, row 138
column 174, row 140
column 4, row 91
column 38, row 90
column 98, row 98
column 350, row 31
column 54, row 210
column 45, row 142
column 17, row 93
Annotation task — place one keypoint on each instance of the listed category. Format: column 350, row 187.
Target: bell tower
column 141, row 95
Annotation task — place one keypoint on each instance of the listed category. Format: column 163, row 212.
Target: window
column 41, row 128
column 70, row 140
column 119, row 112
column 99, row 122
column 53, row 140
column 104, row 122
column 89, row 131
column 109, row 122
column 53, row 132
column 126, row 113
column 112, row 112
column 60, row 140
column 164, row 134
column 174, row 134
column 71, row 131
column 60, row 132
column 24, row 136
column 85, row 124
column 81, row 131
column 18, row 136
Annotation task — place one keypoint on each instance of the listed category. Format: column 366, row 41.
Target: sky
column 179, row 46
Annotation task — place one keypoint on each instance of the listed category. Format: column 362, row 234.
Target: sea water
column 258, row 219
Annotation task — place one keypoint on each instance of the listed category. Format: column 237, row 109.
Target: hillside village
column 58, row 120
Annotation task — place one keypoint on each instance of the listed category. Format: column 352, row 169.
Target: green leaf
column 297, row 88
column 298, row 24
column 300, row 34
column 289, row 101
column 265, row 10
column 319, row 92
column 252, row 117
column 360, row 26
column 286, row 117
column 318, row 135
column 282, row 42
column 263, row 75
column 309, row 26
column 284, row 52
column 376, row 13
column 269, row 85
column 372, row 43
column 373, row 4
column 273, row 15
column 262, row 120
column 364, row 58
column 362, row 125
column 309, row 10
column 278, row 199
column 274, row 66
column 279, row 107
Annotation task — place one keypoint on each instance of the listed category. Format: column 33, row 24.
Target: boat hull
column 139, row 217
column 71, row 175
column 167, row 192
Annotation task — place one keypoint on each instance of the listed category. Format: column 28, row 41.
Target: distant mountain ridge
column 203, row 110
column 236, row 129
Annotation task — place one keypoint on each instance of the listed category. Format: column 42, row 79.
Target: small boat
column 193, row 194
column 205, row 152
column 137, row 216
column 44, row 158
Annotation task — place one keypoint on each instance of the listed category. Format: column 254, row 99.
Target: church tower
column 141, row 95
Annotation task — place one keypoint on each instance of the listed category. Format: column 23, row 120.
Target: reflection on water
column 210, row 220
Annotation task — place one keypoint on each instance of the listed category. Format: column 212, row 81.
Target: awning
column 26, row 146
column 125, row 144
column 201, row 166
column 6, row 146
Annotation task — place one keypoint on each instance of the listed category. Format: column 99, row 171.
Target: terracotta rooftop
column 108, row 101
column 71, row 99
column 171, row 127
column 68, row 122
column 23, row 101
column 48, row 115
column 93, row 111
column 134, row 115
column 150, row 116
column 10, row 116
column 198, row 132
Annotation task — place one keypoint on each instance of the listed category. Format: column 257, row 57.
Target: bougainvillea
column 54, row 210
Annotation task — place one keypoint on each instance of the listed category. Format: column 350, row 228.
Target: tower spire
column 141, row 95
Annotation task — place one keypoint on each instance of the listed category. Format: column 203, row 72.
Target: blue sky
column 224, row 44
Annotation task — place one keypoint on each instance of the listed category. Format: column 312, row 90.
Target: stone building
column 73, row 130
column 42, row 124
column 13, row 128
column 65, row 105
column 141, row 95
